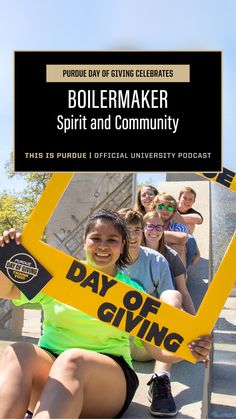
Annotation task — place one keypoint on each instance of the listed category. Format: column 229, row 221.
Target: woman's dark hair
column 138, row 205
column 114, row 218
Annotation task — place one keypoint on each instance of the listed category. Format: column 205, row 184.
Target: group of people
column 82, row 367
column 180, row 219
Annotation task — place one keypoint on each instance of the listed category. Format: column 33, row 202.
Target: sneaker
column 159, row 394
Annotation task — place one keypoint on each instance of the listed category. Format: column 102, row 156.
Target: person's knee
column 140, row 355
column 16, row 352
column 71, row 361
column 71, row 356
column 172, row 297
column 8, row 356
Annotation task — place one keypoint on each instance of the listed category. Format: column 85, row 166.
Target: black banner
column 130, row 114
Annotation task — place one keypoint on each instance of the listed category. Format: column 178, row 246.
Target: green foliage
column 35, row 185
column 16, row 208
column 12, row 211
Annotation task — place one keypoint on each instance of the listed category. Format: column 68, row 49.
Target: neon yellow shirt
column 66, row 327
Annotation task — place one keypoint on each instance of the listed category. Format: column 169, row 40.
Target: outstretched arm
column 175, row 237
column 8, row 290
column 178, row 218
column 200, row 349
column 192, row 218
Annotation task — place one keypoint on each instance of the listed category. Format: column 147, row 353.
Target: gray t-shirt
column 152, row 271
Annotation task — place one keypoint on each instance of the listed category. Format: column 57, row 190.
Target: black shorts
column 132, row 381
column 131, row 377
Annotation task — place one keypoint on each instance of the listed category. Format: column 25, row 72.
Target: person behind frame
column 190, row 217
column 187, row 197
column 154, row 239
column 176, row 234
column 79, row 359
column 150, row 268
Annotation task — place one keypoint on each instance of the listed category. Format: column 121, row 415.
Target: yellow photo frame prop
column 77, row 284
column 226, row 178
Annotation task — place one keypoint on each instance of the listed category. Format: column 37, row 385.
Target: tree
column 35, row 185
column 35, row 182
column 12, row 211
column 16, row 208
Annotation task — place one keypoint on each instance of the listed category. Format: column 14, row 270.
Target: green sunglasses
column 161, row 207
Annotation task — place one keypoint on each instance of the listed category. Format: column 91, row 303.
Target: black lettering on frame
column 77, row 272
column 92, row 281
column 132, row 305
column 156, row 334
column 131, row 321
column 106, row 312
column 173, row 341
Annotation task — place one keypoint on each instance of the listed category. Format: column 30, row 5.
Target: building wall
column 86, row 193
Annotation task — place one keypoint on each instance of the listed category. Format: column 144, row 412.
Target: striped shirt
column 177, row 227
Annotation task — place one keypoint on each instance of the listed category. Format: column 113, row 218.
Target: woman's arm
column 192, row 218
column 199, row 347
column 8, row 290
column 178, row 218
column 175, row 237
column 187, row 302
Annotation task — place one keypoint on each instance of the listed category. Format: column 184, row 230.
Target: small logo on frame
column 21, row 268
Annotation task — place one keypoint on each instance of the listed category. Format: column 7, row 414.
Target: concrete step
column 233, row 292
column 223, row 380
column 230, row 302
column 32, row 323
column 224, row 353
column 225, row 328
column 225, row 336
column 223, row 370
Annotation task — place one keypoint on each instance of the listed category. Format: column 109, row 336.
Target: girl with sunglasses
column 176, row 231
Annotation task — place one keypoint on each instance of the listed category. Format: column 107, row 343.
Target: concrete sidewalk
column 31, row 330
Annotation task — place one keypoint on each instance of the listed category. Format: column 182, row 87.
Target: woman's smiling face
column 146, row 197
column 103, row 246
column 153, row 229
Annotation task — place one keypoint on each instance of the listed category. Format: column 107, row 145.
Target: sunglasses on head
column 161, row 207
column 151, row 227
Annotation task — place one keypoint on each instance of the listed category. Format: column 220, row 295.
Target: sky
column 106, row 25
